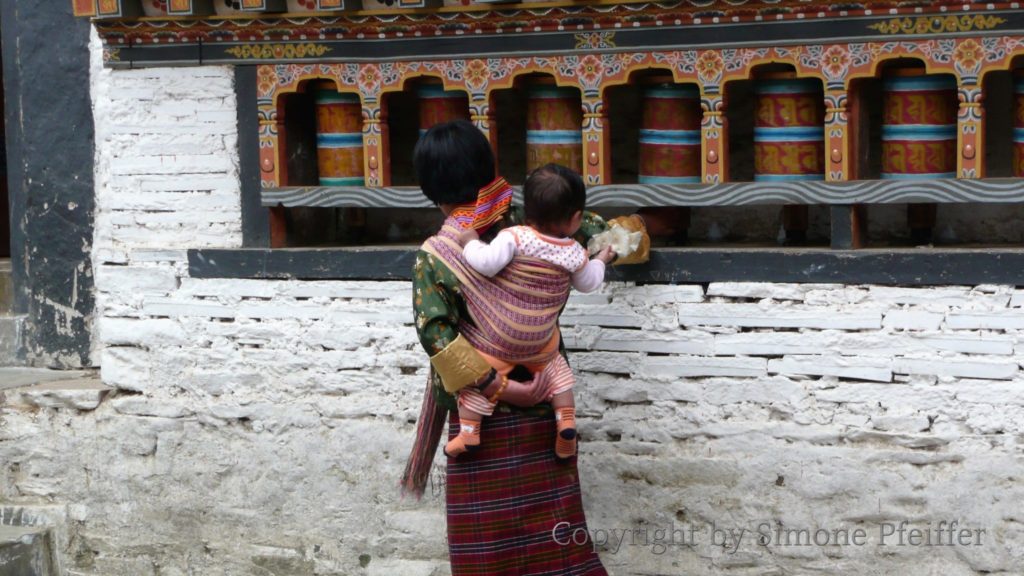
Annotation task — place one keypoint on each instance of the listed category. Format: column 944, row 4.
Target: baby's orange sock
column 565, row 441
column 467, row 440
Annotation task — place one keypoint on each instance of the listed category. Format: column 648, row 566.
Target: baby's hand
column 606, row 255
column 468, row 235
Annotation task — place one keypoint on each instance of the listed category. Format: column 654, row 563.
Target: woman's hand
column 526, row 394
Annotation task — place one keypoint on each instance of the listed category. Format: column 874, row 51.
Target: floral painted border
column 836, row 65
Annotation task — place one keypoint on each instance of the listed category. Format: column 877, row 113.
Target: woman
column 512, row 507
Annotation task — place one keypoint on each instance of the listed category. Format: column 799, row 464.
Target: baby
column 533, row 267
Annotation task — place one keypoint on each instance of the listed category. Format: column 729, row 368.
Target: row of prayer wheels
column 918, row 134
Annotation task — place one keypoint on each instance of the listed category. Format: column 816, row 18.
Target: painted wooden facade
column 835, row 65
column 586, row 48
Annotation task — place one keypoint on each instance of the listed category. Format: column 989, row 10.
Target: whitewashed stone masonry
column 259, row 427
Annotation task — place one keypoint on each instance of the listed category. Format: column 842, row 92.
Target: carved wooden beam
column 945, row 191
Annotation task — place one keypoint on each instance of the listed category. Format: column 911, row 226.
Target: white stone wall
column 259, row 427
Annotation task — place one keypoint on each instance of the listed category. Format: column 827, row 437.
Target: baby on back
column 540, row 261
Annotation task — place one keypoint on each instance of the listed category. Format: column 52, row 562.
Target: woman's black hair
column 453, row 161
column 552, row 194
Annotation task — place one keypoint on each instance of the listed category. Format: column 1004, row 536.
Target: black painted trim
column 51, row 159
column 908, row 267
column 303, row 263
column 15, row 168
column 255, row 218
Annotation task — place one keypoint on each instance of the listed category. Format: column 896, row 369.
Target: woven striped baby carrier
column 513, row 315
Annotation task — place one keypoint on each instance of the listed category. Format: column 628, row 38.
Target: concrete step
column 26, row 551
column 6, row 287
column 11, row 330
column 21, row 377
column 26, row 391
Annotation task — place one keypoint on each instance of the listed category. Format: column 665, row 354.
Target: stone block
column 606, row 362
column 912, row 319
column 910, row 422
column 612, row 316
column 897, row 396
column 920, row 441
column 174, row 307
column 699, row 366
column 126, row 367
column 675, row 390
column 142, row 332
column 997, row 393
column 967, row 343
column 837, row 296
column 968, row 367
column 136, row 279
column 247, row 288
column 194, row 182
column 755, row 316
column 1017, row 299
column 388, row 566
column 654, row 294
column 855, row 368
column 758, row 290
column 78, row 394
column 769, row 390
column 678, row 342
column 157, row 407
column 160, row 256
column 1011, row 319
column 936, row 296
column 592, row 299
column 769, row 343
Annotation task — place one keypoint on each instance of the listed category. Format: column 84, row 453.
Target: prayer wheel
column 438, row 105
column 1018, row 124
column 554, row 119
column 339, row 136
column 918, row 135
column 670, row 135
column 669, row 150
column 789, row 138
column 918, row 126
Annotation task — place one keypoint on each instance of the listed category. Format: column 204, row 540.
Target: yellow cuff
column 634, row 223
column 459, row 365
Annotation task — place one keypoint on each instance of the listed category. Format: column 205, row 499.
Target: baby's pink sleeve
column 489, row 259
column 589, row 277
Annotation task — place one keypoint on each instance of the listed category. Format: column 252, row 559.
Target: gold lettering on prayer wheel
column 789, row 133
column 339, row 136
column 670, row 134
column 438, row 105
column 554, row 119
column 918, row 125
